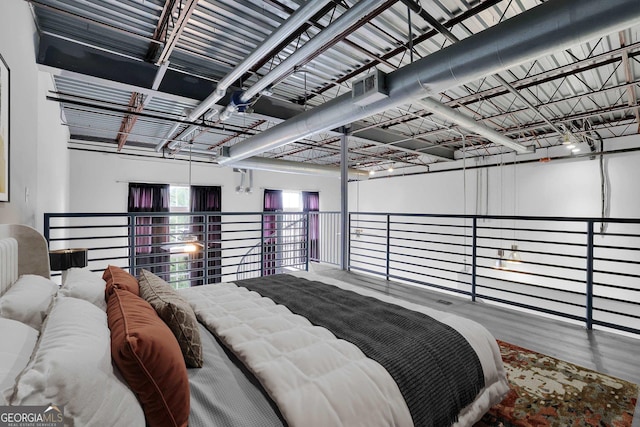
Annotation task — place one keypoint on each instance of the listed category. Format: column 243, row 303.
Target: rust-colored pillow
column 116, row 277
column 176, row 313
column 149, row 358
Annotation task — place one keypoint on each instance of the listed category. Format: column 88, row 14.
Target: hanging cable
column 464, row 195
column 604, row 186
column 190, row 145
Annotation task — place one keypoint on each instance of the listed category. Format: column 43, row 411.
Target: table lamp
column 64, row 259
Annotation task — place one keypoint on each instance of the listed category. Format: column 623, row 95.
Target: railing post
column 388, row 245
column 205, row 274
column 262, row 244
column 346, row 255
column 589, row 290
column 474, row 255
column 344, row 197
column 47, row 225
column 132, row 243
column 307, row 229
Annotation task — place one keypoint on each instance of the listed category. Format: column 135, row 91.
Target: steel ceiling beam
column 184, row 15
column 129, row 120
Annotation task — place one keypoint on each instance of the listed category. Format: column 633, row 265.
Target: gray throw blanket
column 435, row 368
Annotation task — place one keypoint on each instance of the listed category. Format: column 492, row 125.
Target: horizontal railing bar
column 426, row 274
column 422, row 250
column 623, row 261
column 616, row 326
column 82, row 227
column 431, row 285
column 434, row 224
column 617, row 273
column 531, row 307
column 60, row 239
column 529, row 284
column 546, row 242
column 524, row 294
column 608, row 285
column 622, row 248
column 506, row 217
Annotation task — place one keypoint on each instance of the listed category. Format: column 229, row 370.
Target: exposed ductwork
column 286, row 166
column 356, row 13
column 298, row 18
column 469, row 123
column 547, row 28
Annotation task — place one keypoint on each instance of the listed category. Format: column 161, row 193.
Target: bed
column 296, row 349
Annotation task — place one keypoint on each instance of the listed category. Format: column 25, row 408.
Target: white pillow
column 28, row 300
column 72, row 367
column 84, row 284
column 18, row 341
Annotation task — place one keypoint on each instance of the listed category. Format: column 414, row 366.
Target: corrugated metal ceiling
column 587, row 88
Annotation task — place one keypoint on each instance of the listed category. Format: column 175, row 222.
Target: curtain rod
column 119, row 181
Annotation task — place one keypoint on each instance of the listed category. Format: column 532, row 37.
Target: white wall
column 38, row 164
column 557, row 188
column 99, row 182
column 17, row 34
column 53, row 156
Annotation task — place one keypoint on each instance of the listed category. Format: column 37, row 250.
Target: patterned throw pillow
column 176, row 313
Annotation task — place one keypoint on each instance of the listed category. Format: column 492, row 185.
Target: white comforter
column 317, row 379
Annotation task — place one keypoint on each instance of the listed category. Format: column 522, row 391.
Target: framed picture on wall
column 4, row 130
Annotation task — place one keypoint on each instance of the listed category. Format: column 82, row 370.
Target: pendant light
column 500, row 261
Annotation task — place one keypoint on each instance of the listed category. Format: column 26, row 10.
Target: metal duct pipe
column 299, row 17
column 547, row 28
column 469, row 123
column 286, row 166
column 356, row 13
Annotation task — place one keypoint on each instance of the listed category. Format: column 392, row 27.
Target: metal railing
column 190, row 249
column 576, row 269
column 565, row 267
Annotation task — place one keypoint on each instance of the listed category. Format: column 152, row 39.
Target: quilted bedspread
column 316, row 379
column 313, row 377
column 435, row 367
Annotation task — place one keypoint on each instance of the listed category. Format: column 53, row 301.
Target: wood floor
column 606, row 352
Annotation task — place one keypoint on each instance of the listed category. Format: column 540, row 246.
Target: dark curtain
column 272, row 203
column 206, row 199
column 311, row 203
column 151, row 231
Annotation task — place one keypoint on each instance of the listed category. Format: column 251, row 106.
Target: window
column 292, row 201
column 290, row 237
column 179, row 198
column 179, row 229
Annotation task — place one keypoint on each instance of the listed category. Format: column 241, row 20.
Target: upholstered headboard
column 27, row 254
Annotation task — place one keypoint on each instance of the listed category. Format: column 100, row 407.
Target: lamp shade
column 63, row 259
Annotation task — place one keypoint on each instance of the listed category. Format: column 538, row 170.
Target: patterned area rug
column 550, row 392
